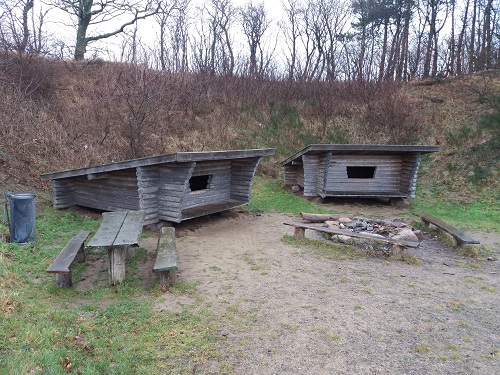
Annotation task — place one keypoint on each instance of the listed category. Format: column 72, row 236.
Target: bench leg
column 64, row 280
column 80, row 255
column 130, row 252
column 116, row 265
column 426, row 223
column 299, row 232
column 397, row 251
column 167, row 278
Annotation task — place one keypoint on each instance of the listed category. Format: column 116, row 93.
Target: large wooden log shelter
column 172, row 187
column 370, row 171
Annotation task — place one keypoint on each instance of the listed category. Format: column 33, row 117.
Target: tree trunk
column 81, row 38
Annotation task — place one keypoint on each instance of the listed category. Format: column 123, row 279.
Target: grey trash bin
column 21, row 217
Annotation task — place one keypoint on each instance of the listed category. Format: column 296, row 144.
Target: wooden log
column 318, row 218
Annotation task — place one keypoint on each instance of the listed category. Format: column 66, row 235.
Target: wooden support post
column 299, row 232
column 80, row 255
column 116, row 257
column 397, row 251
column 167, row 278
column 130, row 252
column 64, row 280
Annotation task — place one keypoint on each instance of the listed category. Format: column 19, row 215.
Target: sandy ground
column 285, row 310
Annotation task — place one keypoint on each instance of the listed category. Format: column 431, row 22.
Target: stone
column 419, row 234
column 343, row 239
column 344, row 220
column 296, row 188
column 332, row 222
column 405, row 235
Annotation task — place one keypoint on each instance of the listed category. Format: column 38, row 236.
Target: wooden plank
column 67, row 255
column 211, row 208
column 460, row 236
column 352, row 234
column 130, row 231
column 166, row 258
column 107, row 232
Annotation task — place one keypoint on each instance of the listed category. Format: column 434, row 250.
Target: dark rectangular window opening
column 197, row 183
column 361, row 172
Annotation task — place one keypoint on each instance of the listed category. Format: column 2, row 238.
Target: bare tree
column 102, row 13
column 255, row 24
column 436, row 12
column 291, row 29
column 15, row 32
column 213, row 47
column 174, row 25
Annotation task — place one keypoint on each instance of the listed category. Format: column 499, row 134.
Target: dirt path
column 288, row 311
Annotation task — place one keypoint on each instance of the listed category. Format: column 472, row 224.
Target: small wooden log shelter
column 172, row 187
column 347, row 170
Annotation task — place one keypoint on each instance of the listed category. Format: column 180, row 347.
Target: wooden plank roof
column 361, row 150
column 178, row 157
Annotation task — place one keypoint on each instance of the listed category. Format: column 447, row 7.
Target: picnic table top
column 119, row 228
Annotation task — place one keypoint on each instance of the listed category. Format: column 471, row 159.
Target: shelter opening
column 361, row 172
column 202, row 182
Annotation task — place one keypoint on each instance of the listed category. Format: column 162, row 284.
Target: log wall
column 386, row 181
column 311, row 174
column 116, row 191
column 219, row 187
column 62, row 195
column 173, row 183
column 242, row 173
column 409, row 171
column 148, row 188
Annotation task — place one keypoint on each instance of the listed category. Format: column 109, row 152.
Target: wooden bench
column 459, row 238
column 72, row 252
column 166, row 257
column 397, row 245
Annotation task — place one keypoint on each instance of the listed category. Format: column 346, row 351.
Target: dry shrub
column 393, row 117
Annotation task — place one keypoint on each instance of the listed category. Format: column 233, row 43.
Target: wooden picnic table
column 118, row 232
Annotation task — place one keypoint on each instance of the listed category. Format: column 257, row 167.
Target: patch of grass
column 480, row 213
column 489, row 288
column 411, row 259
column 323, row 249
column 422, row 349
column 493, row 354
column 106, row 330
column 335, row 337
column 180, row 287
column 271, row 196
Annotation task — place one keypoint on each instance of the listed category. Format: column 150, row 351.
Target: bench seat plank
column 107, row 232
column 130, row 232
column 461, row 237
column 166, row 258
column 67, row 255
column 352, row 234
